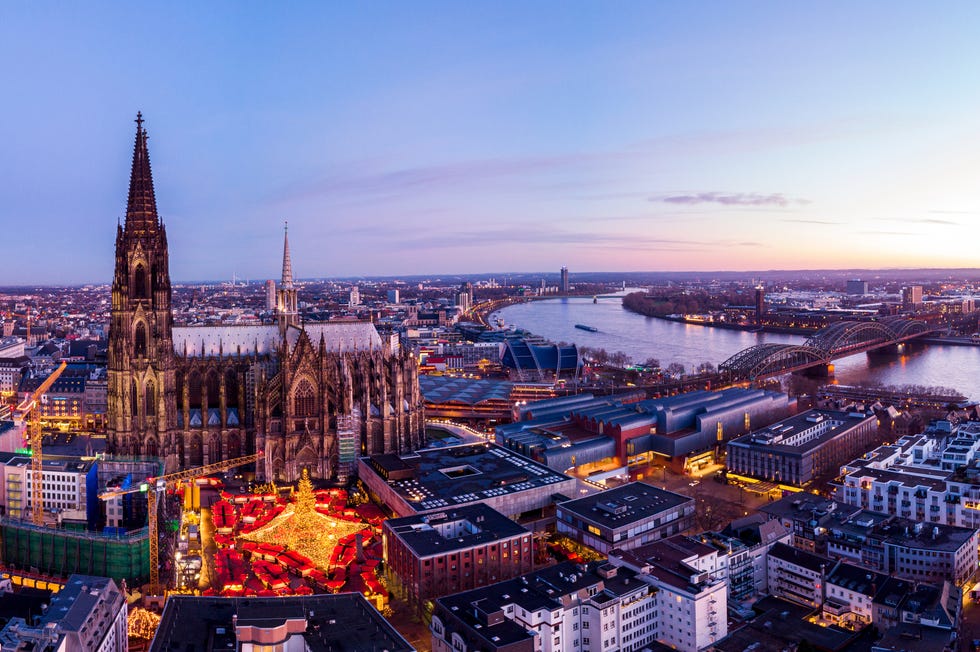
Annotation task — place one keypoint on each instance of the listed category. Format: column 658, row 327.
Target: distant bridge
column 838, row 340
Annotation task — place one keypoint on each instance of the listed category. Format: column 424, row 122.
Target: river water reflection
column 642, row 337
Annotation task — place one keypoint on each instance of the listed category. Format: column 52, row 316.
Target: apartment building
column 932, row 477
column 593, row 608
column 691, row 594
column 797, row 575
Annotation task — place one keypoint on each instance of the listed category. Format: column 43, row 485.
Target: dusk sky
column 469, row 137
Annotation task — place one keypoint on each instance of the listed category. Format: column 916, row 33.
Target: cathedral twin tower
column 312, row 396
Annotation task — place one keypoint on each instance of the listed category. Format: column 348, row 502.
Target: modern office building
column 593, row 608
column 626, row 517
column 563, row 284
column 434, row 479
column 270, row 295
column 459, row 549
column 857, row 287
column 69, row 488
column 912, row 296
column 804, row 447
column 687, row 428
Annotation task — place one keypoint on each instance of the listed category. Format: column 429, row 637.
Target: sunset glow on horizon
column 460, row 138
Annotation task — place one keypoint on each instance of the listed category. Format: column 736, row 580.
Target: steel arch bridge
column 838, row 340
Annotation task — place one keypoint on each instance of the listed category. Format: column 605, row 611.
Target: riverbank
column 950, row 340
column 673, row 341
column 781, row 330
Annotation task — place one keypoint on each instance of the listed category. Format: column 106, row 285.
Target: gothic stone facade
column 198, row 395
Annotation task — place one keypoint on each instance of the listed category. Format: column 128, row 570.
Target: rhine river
column 642, row 337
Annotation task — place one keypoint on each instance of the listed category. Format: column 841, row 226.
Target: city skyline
column 450, row 140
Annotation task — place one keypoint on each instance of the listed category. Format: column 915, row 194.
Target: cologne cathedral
column 312, row 396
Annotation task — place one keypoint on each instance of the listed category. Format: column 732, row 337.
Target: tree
column 619, row 359
column 651, row 363
column 706, row 368
column 600, row 356
column 675, row 369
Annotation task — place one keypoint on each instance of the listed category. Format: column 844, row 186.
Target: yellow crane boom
column 29, row 407
column 153, row 485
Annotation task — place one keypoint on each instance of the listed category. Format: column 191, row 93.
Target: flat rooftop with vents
column 436, row 479
column 625, row 517
column 318, row 623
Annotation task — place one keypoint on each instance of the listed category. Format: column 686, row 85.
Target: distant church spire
column 286, row 302
column 141, row 209
column 287, row 263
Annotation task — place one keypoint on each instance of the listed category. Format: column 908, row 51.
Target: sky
column 474, row 137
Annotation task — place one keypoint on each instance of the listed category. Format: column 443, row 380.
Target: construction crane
column 30, row 409
column 153, row 485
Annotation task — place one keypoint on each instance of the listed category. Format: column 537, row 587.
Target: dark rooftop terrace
column 621, row 506
column 457, row 475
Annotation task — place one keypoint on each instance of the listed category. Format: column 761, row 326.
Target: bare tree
column 706, row 368
column 619, row 359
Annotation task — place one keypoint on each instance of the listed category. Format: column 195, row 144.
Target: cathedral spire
column 141, row 209
column 286, row 303
column 287, row 263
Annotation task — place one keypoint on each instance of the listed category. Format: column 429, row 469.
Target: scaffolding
column 59, row 553
column 347, row 428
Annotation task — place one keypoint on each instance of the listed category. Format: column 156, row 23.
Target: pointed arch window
column 139, row 282
column 134, row 404
column 213, row 388
column 150, row 398
column 304, row 400
column 139, row 340
column 231, row 388
column 194, row 390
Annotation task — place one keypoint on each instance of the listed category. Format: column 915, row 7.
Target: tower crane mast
column 30, row 409
column 157, row 483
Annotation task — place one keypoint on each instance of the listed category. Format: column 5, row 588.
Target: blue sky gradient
column 418, row 138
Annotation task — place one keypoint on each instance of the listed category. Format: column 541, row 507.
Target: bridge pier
column 888, row 349
column 820, row 371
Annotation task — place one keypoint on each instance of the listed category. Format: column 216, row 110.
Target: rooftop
column 457, row 475
column 803, row 432
column 462, row 527
column 344, row 621
column 482, row 609
column 857, row 579
column 619, row 507
column 801, row 558
column 466, row 391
